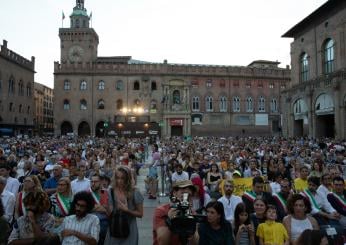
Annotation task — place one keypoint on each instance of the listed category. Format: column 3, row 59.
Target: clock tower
column 78, row 44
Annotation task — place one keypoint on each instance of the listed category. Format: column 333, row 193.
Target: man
column 252, row 171
column 301, row 183
column 275, row 185
column 8, row 200
column 28, row 170
column 322, row 211
column 229, row 201
column 337, row 199
column 12, row 184
column 257, row 191
column 326, row 185
column 81, row 183
column 162, row 235
column 81, row 227
column 52, row 183
column 179, row 174
column 280, row 198
column 42, row 175
column 101, row 210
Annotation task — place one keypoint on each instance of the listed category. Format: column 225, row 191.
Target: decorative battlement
column 16, row 58
column 68, row 34
column 114, row 68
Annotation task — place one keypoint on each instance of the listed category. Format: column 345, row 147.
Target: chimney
column 4, row 44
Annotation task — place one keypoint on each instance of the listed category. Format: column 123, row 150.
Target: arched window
column 195, row 103
column 66, row 105
column 223, row 104
column 20, row 88
column 67, row 85
column 249, row 104
column 28, row 90
column 304, row 67
column 83, row 85
column 136, row 85
column 119, row 85
column 10, row 107
column 11, row 87
column 328, row 58
column 274, row 105
column 236, row 104
column 77, row 23
column 83, row 104
column 101, row 104
column 119, row 104
column 261, row 104
column 101, row 85
column 209, row 103
column 176, row 97
column 209, row 83
column 20, row 108
column 28, row 110
column 153, row 85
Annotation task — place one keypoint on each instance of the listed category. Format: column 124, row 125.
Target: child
column 272, row 232
column 243, row 229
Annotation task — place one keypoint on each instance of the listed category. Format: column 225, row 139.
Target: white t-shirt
column 229, row 206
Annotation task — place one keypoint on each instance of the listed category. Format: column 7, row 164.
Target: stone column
column 337, row 113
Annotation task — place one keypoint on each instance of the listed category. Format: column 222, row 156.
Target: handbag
column 119, row 224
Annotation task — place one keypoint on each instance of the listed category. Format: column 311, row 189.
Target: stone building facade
column 16, row 93
column 119, row 95
column 44, row 118
column 315, row 102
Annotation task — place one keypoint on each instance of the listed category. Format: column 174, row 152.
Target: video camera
column 184, row 224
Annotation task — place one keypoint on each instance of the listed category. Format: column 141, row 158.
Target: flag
column 63, row 15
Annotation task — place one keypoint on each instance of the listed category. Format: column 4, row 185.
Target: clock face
column 75, row 53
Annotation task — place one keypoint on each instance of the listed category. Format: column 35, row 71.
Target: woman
column 243, row 229
column 124, row 197
column 30, row 184
column 34, row 227
column 214, row 178
column 260, row 206
column 216, row 230
column 297, row 221
column 200, row 198
column 312, row 237
column 61, row 201
column 317, row 169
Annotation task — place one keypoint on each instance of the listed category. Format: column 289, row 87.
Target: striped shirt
column 89, row 225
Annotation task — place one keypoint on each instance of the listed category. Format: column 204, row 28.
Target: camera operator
column 163, row 214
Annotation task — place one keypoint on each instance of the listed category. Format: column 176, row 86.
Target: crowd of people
column 83, row 190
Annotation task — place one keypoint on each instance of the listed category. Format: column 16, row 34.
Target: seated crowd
column 70, row 191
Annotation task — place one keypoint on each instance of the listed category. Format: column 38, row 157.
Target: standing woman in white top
column 297, row 221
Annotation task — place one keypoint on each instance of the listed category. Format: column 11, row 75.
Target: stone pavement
column 145, row 225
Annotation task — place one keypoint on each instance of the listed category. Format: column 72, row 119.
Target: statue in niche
column 176, row 101
column 176, row 97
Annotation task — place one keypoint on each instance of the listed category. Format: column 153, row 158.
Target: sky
column 219, row 32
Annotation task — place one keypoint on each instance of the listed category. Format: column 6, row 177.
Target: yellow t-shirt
column 300, row 184
column 272, row 233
